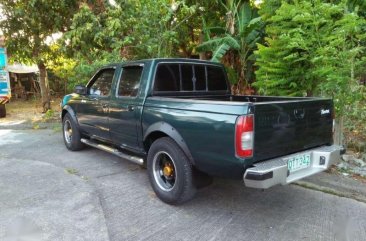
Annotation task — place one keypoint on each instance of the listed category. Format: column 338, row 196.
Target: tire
column 71, row 134
column 2, row 111
column 170, row 172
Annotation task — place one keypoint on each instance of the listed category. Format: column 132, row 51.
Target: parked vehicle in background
column 178, row 117
column 5, row 90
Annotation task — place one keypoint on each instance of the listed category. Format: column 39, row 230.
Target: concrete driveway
column 49, row 193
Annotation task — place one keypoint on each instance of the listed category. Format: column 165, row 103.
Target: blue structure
column 5, row 93
column 2, row 58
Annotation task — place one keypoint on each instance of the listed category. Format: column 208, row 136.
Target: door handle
column 131, row 108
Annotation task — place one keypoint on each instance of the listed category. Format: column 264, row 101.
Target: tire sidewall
column 74, row 144
column 182, row 170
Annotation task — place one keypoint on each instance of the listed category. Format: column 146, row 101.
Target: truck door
column 125, row 108
column 93, row 108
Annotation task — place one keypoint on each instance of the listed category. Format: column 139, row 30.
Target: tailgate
column 285, row 127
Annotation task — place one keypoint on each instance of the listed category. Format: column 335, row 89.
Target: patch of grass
column 344, row 170
column 49, row 115
column 57, row 128
column 72, row 171
column 328, row 191
column 84, row 178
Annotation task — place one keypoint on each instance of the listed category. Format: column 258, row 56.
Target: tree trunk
column 45, row 90
column 201, row 40
column 65, row 86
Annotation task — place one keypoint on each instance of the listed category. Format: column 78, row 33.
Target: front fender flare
column 172, row 133
column 72, row 113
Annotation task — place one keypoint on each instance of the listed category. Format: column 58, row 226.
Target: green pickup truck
column 178, row 118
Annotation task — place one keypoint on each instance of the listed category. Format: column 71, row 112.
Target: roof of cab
column 158, row 60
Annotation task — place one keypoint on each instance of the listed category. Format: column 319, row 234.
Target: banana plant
column 219, row 46
column 244, row 28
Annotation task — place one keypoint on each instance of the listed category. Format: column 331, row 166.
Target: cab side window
column 129, row 82
column 101, row 85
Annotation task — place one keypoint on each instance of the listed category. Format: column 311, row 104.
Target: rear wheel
column 2, row 111
column 170, row 172
column 71, row 134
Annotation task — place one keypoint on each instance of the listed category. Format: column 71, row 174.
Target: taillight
column 244, row 136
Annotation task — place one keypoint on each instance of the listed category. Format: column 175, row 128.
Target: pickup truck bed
column 178, row 117
column 281, row 127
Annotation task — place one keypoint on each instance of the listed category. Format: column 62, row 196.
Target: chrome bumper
column 275, row 171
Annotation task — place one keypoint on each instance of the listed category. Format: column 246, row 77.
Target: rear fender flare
column 172, row 133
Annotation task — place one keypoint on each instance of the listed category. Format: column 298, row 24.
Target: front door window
column 101, row 85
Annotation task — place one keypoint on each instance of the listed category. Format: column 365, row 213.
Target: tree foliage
column 316, row 48
column 241, row 32
column 312, row 48
column 135, row 29
column 28, row 26
column 132, row 30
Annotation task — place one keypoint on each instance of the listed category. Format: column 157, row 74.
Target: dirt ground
column 30, row 111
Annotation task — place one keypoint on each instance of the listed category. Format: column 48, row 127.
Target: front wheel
column 71, row 134
column 170, row 172
column 2, row 111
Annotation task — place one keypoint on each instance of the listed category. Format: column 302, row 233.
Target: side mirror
column 80, row 89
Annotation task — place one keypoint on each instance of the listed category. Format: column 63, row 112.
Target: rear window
column 167, row 78
column 189, row 77
column 129, row 82
column 216, row 78
column 200, row 74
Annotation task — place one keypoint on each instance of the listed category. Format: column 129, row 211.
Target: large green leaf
column 215, row 43
column 252, row 27
column 220, row 52
column 245, row 16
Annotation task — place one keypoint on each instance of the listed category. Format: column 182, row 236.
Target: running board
column 113, row 151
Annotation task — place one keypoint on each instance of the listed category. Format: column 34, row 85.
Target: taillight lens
column 244, row 136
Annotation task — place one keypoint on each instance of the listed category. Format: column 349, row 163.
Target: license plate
column 298, row 162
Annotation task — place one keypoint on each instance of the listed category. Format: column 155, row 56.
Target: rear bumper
column 275, row 171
